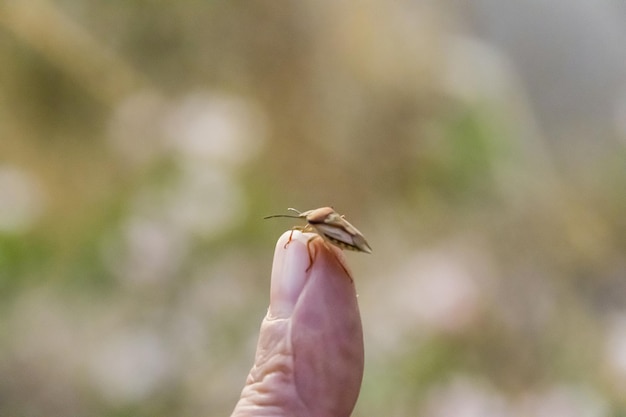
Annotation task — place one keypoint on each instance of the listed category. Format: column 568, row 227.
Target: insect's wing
column 339, row 231
column 359, row 241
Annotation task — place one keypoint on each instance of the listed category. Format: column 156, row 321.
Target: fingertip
column 289, row 273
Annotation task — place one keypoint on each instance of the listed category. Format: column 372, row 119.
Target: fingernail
column 288, row 273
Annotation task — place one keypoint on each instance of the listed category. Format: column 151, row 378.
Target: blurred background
column 479, row 146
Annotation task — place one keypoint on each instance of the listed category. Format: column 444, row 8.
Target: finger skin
column 309, row 360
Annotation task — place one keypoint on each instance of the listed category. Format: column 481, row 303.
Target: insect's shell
column 334, row 228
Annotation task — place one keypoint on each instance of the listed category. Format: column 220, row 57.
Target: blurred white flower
column 441, row 293
column 136, row 129
column 202, row 127
column 150, row 251
column 21, row 200
column 616, row 347
column 476, row 73
column 564, row 401
column 466, row 397
column 432, row 292
column 217, row 128
column 44, row 329
column 201, row 200
column 206, row 201
column 435, row 290
column 130, row 365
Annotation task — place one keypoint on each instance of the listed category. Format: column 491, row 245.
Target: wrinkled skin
column 309, row 359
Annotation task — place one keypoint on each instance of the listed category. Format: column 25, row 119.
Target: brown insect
column 330, row 226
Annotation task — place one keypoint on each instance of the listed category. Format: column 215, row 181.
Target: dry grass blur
column 480, row 149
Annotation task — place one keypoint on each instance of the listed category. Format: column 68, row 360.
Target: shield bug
column 332, row 227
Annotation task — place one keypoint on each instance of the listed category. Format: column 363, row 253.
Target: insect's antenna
column 280, row 215
column 293, row 209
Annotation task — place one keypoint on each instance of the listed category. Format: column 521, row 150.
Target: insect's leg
column 291, row 235
column 308, row 249
column 289, row 241
column 311, row 258
column 344, row 268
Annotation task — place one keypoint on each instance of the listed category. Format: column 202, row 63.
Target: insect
column 332, row 227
